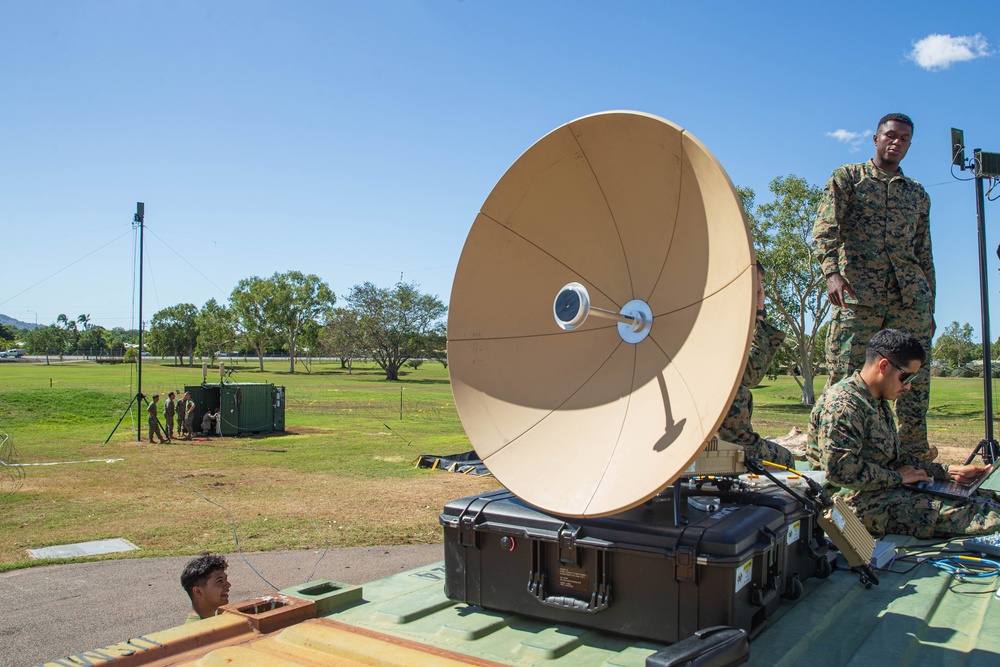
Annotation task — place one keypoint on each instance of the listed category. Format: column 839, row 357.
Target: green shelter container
column 244, row 407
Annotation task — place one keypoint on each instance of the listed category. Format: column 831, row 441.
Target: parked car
column 12, row 354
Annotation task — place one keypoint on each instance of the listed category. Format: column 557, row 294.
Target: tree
column 84, row 321
column 955, row 344
column 215, row 329
column 248, row 303
column 794, row 282
column 309, row 341
column 341, row 336
column 395, row 324
column 118, row 337
column 174, row 331
column 94, row 340
column 44, row 340
column 295, row 299
column 66, row 333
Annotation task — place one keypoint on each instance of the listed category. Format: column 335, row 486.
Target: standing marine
column 154, row 420
column 168, row 415
column 872, row 236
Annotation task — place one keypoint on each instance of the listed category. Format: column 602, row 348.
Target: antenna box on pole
column 987, row 165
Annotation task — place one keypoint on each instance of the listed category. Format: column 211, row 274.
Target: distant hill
column 17, row 324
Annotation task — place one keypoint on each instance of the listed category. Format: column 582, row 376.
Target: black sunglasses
column 904, row 375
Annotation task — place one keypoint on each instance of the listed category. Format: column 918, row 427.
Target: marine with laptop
column 853, row 438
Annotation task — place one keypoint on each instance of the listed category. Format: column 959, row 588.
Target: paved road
column 51, row 612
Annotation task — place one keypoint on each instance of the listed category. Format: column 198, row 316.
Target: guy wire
column 232, row 519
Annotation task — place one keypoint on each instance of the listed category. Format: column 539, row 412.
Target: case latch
column 685, row 564
column 568, row 553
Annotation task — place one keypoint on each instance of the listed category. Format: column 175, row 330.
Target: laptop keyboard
column 951, row 487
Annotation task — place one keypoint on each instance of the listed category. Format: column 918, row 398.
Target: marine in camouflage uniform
column 852, row 437
column 736, row 427
column 168, row 415
column 873, row 230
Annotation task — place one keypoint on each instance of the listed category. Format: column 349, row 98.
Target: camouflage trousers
column 850, row 330
column 154, row 428
column 922, row 515
column 766, row 450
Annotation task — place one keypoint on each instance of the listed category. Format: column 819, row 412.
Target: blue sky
column 357, row 141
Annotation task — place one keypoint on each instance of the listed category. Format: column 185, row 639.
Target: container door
column 229, row 410
column 279, row 408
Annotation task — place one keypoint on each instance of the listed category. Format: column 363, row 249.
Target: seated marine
column 736, row 427
column 853, row 438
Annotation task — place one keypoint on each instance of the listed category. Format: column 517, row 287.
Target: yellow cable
column 778, row 465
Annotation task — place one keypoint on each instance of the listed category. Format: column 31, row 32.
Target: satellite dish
column 601, row 314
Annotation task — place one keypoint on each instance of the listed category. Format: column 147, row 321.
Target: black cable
column 232, row 519
column 11, row 469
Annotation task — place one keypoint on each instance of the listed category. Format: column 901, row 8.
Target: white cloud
column 937, row 52
column 855, row 140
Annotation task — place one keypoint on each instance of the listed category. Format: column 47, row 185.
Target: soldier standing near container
column 154, row 420
column 736, row 427
column 168, row 415
column 188, row 415
column 872, row 237
column 181, row 409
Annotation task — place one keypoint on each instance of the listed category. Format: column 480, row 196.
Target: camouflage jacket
column 736, row 427
column 874, row 228
column 853, row 436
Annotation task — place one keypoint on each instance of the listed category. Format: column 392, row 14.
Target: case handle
column 600, row 599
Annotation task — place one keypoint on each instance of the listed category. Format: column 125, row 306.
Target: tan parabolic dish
column 582, row 423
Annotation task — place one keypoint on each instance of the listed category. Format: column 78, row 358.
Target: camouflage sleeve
column 766, row 340
column 826, row 230
column 922, row 246
column 840, row 440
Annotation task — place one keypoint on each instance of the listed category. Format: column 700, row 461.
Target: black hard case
column 804, row 551
column 634, row 573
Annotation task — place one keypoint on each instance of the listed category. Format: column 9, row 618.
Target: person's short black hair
column 897, row 345
column 170, row 394
column 898, row 117
column 156, row 397
column 198, row 570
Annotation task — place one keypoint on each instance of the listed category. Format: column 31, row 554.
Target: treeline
column 291, row 313
column 72, row 336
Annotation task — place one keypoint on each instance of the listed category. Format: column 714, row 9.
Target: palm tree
column 84, row 321
column 65, row 323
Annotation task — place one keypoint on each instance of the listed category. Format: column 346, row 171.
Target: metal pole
column 985, row 306
column 139, row 216
column 137, row 399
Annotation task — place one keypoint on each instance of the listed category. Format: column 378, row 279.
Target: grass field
column 342, row 474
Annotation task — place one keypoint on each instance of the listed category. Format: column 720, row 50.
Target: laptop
column 951, row 488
